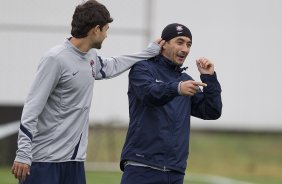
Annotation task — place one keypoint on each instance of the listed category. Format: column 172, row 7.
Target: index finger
column 200, row 84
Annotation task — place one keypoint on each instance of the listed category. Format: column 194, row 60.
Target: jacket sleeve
column 114, row 66
column 47, row 76
column 147, row 89
column 207, row 104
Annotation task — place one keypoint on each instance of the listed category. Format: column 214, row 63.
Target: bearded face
column 177, row 49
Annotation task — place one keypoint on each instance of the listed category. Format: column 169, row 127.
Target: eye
column 188, row 44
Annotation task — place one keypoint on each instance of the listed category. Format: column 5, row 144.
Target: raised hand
column 205, row 66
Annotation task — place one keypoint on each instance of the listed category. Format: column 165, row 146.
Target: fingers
column 25, row 173
column 199, row 83
column 203, row 62
column 20, row 171
column 205, row 66
column 189, row 88
column 16, row 170
column 160, row 42
column 18, row 174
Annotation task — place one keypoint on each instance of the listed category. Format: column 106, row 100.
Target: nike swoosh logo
column 74, row 73
column 158, row 80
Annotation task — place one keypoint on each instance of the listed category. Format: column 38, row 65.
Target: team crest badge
column 179, row 28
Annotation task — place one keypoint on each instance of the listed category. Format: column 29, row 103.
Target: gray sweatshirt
column 54, row 122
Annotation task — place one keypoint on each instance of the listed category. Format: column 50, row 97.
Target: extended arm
column 114, row 66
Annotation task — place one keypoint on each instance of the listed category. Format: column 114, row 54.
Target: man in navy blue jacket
column 162, row 98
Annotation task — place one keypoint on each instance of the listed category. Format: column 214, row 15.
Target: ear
column 95, row 30
column 165, row 45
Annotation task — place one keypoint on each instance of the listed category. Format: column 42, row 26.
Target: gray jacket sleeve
column 114, row 66
column 47, row 76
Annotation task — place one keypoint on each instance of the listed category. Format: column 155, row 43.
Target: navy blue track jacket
column 158, row 132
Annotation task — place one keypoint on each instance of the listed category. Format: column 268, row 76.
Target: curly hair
column 88, row 15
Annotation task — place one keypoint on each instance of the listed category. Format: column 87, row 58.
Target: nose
column 185, row 49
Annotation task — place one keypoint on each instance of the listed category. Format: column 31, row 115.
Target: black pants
column 56, row 173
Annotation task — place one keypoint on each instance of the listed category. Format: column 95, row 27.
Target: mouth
column 181, row 56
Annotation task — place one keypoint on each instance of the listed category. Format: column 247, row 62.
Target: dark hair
column 88, row 15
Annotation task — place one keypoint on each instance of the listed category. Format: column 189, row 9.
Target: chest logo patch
column 158, row 81
column 74, row 73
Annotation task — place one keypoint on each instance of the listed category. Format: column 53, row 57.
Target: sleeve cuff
column 208, row 77
column 179, row 89
column 21, row 160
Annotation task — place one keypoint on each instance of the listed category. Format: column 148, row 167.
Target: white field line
column 209, row 179
column 9, row 129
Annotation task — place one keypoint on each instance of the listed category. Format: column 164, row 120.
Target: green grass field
column 249, row 157
column 114, row 178
column 253, row 157
column 91, row 177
